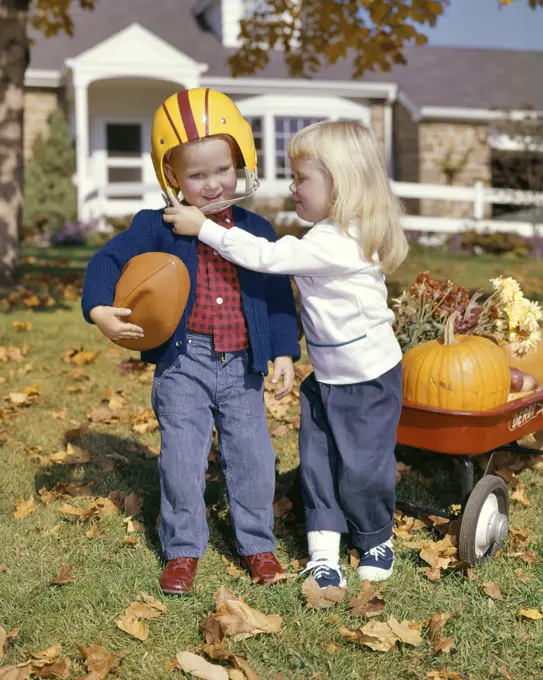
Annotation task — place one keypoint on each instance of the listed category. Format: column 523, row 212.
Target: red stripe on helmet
column 206, row 111
column 171, row 123
column 187, row 116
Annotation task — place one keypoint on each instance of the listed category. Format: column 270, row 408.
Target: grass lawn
column 471, row 271
column 491, row 640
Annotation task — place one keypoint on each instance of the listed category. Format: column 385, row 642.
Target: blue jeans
column 347, row 461
column 199, row 390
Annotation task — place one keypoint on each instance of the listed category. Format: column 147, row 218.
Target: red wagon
column 485, row 505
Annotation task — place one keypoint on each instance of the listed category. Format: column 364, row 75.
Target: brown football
column 155, row 286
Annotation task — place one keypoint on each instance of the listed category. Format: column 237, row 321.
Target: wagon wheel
column 485, row 523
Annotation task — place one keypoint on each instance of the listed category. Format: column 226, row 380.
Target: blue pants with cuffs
column 199, row 390
column 347, row 461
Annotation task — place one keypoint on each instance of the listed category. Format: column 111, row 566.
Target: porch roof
column 434, row 76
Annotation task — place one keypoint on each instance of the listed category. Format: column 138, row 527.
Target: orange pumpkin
column 457, row 372
column 531, row 362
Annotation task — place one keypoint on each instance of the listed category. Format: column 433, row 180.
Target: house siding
column 38, row 104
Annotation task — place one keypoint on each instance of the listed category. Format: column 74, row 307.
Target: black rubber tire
column 491, row 484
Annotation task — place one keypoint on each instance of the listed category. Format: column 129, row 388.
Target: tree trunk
column 13, row 63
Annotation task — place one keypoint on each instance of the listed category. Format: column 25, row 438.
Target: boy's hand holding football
column 111, row 324
column 186, row 220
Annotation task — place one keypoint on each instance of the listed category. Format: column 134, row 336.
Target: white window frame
column 101, row 162
column 125, row 162
column 285, row 137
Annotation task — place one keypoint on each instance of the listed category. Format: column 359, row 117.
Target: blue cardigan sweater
column 268, row 302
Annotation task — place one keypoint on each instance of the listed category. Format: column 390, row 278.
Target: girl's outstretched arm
column 324, row 251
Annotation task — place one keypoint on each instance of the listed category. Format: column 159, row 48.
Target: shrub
column 493, row 243
column 50, row 197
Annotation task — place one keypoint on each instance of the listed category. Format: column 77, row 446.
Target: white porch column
column 388, row 125
column 81, row 106
column 269, row 147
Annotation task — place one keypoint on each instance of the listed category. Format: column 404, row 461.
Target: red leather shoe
column 178, row 575
column 263, row 567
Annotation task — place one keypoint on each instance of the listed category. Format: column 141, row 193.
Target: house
column 431, row 116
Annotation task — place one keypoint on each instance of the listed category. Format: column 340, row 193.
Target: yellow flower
column 529, row 323
column 535, row 308
column 508, row 289
column 529, row 343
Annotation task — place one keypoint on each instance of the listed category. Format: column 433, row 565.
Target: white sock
column 324, row 545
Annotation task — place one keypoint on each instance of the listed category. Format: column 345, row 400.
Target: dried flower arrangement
column 506, row 315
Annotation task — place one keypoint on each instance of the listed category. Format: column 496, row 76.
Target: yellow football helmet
column 194, row 114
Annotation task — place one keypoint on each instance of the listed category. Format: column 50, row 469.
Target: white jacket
column 347, row 323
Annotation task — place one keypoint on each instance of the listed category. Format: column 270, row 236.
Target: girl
column 351, row 403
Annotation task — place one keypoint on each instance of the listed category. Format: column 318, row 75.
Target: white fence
column 478, row 195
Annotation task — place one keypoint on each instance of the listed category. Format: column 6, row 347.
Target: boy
column 210, row 373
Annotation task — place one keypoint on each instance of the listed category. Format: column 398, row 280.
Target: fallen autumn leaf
column 65, row 576
column 99, row 661
column 24, row 508
column 368, row 603
column 322, row 598
column 492, row 590
column 236, row 619
column 200, row 668
column 532, row 614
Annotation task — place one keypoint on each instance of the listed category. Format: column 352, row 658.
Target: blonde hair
column 350, row 154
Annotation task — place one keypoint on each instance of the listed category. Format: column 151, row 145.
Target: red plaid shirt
column 218, row 309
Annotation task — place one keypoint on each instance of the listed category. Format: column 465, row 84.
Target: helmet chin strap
column 251, row 185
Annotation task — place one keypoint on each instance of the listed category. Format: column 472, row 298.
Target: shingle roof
column 434, row 76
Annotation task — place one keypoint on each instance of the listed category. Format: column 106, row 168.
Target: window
column 257, row 126
column 285, row 127
column 124, row 157
column 517, row 163
column 518, row 171
column 123, row 140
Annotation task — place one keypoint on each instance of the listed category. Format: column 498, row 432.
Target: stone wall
column 455, row 154
column 38, row 105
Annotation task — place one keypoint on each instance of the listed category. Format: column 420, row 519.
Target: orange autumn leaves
column 51, row 289
column 51, row 663
column 115, row 503
column 233, row 619
column 114, row 408
column 382, row 636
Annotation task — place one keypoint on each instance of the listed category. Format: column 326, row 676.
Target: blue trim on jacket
column 268, row 301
